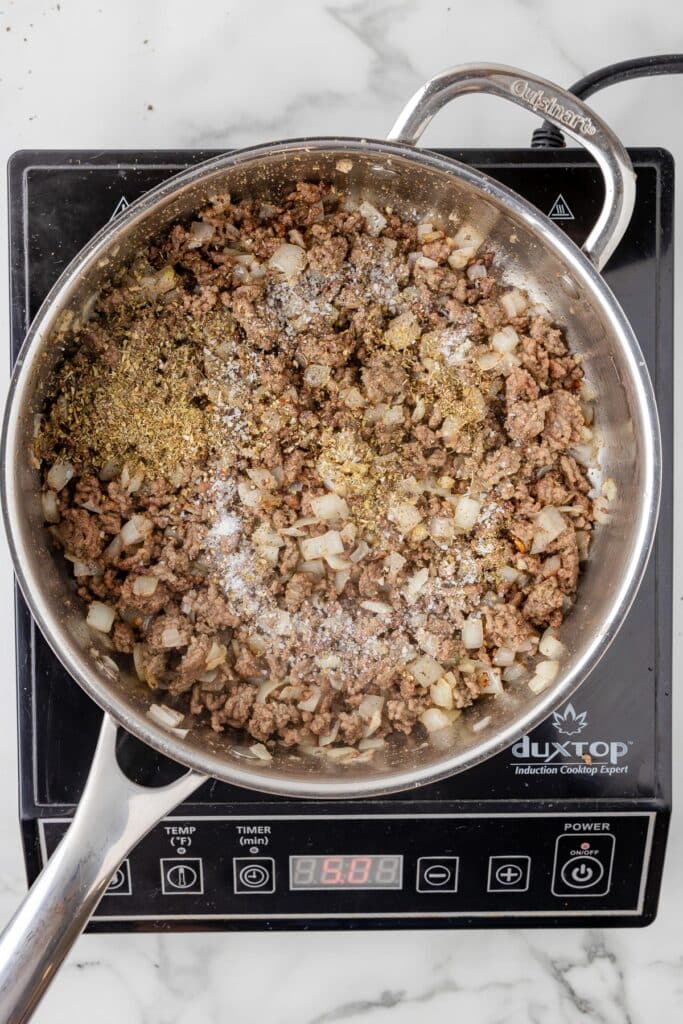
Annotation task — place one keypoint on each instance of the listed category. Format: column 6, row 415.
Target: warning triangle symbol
column 560, row 209
column 120, row 207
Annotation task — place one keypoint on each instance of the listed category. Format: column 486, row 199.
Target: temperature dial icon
column 182, row 875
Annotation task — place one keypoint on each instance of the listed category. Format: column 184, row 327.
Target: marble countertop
column 236, row 72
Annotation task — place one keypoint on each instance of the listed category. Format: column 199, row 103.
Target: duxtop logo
column 569, row 756
column 569, row 722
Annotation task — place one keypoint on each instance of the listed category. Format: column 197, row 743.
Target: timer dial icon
column 253, row 875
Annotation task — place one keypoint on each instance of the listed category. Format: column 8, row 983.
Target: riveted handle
column 550, row 103
column 113, row 815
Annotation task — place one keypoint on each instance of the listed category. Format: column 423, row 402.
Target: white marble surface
column 128, row 74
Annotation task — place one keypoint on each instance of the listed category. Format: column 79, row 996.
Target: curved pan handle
column 551, row 104
column 113, row 815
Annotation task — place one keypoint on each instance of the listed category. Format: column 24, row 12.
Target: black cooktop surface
column 609, row 747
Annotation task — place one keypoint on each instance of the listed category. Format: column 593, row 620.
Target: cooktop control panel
column 384, row 866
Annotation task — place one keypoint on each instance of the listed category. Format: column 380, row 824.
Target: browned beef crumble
column 323, row 472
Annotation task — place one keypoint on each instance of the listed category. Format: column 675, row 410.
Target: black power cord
column 550, row 137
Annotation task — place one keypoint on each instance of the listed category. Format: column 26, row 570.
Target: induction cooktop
column 566, row 827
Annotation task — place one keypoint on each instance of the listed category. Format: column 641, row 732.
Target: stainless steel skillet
column 114, row 813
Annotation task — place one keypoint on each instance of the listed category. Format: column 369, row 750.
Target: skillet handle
column 553, row 104
column 114, row 813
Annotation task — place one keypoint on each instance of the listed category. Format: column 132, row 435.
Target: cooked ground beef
column 361, row 501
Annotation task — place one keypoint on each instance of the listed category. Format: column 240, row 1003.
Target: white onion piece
column 330, row 737
column 370, row 710
column 442, row 528
column 378, row 607
column 375, row 222
column 514, row 303
column 260, row 751
column 472, row 634
column 265, row 690
column 167, row 717
column 330, row 506
column 550, row 646
column 329, row 543
column 406, row 517
column 425, row 670
column 216, row 656
column 50, row 507
column 360, row 551
column 505, row 340
column 466, row 512
column 493, row 682
column 86, row 569
column 338, row 563
column 316, row 567
column 476, row 272
column 317, row 375
column 434, row 719
column 144, row 586
column 340, row 580
column 459, row 258
column 135, row 530
column 414, row 585
column 544, row 674
column 483, row 723
column 425, row 263
column 138, row 661
column 550, row 523
column 311, row 702
column 509, row 574
column 424, row 229
column 488, row 360
column 248, row 494
column 172, row 638
column 200, row 234
column 467, row 236
column 393, row 563
column 289, row 259
column 371, row 743
column 513, row 673
column 100, row 616
column 441, row 694
column 59, row 475
column 503, row 657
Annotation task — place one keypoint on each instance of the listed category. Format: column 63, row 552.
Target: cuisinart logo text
column 569, row 756
column 540, row 101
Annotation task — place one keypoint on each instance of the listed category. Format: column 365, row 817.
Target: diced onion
column 467, row 236
column 135, row 530
column 338, row 563
column 59, row 475
column 442, row 528
column 488, row 360
column 144, row 586
column 167, row 717
column 466, row 512
column 249, row 495
column 441, row 694
column 171, row 637
column 434, row 719
column 459, row 258
column 424, row 229
column 505, row 340
column 359, row 552
column 493, row 683
column 311, row 702
column 550, row 646
column 378, row 607
column 266, row 688
column 425, row 670
column 86, row 569
column 483, row 723
column 514, row 303
column 403, row 331
column 375, row 222
column 316, row 567
column 289, row 259
column 513, row 673
column 393, row 563
column 101, row 616
column 50, row 507
column 472, row 634
column 550, row 523
column 370, row 710
column 371, row 743
column 415, row 584
column 405, row 516
column 330, row 737
column 260, row 750
column 503, row 657
column 509, row 574
column 216, row 656
column 200, row 234
column 426, row 262
column 545, row 672
column 340, row 580
column 329, row 543
column 330, row 506
column 476, row 272
column 316, row 375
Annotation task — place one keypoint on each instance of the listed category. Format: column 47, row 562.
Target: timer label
column 346, row 871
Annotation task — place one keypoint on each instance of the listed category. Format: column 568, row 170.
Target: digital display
column 346, row 871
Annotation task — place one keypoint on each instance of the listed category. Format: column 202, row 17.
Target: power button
column 583, row 864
